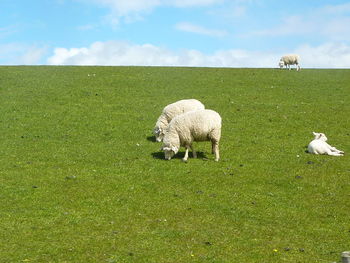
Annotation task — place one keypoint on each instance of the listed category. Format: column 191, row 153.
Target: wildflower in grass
column 275, row 250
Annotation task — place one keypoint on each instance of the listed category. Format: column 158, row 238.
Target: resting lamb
column 183, row 130
column 319, row 146
column 171, row 111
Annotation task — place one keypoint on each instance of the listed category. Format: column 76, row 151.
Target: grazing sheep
column 171, row 111
column 281, row 64
column 319, row 146
column 201, row 125
column 288, row 60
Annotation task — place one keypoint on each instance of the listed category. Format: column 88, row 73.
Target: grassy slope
column 82, row 180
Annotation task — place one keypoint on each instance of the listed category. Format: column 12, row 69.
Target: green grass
column 82, row 180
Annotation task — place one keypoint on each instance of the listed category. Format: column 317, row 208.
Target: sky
column 199, row 33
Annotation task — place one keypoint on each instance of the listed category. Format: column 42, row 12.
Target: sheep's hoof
column 184, row 160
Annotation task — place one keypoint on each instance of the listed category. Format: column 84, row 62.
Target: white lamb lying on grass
column 183, row 130
column 171, row 111
column 319, row 146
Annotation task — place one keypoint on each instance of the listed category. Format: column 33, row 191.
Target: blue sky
column 215, row 33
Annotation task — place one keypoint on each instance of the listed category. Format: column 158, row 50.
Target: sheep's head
column 158, row 132
column 320, row 136
column 281, row 64
column 169, row 152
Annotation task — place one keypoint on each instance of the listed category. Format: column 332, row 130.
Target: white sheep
column 171, row 111
column 281, row 64
column 319, row 146
column 183, row 130
column 289, row 60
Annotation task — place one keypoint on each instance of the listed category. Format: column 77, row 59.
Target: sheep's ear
column 317, row 135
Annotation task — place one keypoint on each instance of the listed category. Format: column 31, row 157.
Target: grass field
column 82, row 179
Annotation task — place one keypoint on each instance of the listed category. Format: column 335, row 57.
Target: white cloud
column 32, row 55
column 335, row 9
column 133, row 10
column 329, row 22
column 113, row 53
column 8, row 51
column 291, row 25
column 234, row 10
column 330, row 55
column 125, row 10
column 125, row 7
column 337, row 29
column 191, row 28
column 187, row 3
column 21, row 54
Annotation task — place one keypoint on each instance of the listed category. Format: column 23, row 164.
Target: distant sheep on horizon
column 289, row 60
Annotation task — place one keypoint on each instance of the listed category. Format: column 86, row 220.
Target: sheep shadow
column 179, row 155
column 151, row 138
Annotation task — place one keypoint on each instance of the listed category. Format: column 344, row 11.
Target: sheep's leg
column 215, row 146
column 329, row 146
column 330, row 152
column 193, row 152
column 336, row 150
column 335, row 154
column 186, row 154
column 333, row 149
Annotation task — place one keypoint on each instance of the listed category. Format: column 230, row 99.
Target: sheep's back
column 198, row 125
column 180, row 107
column 290, row 59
